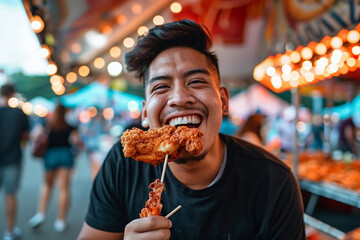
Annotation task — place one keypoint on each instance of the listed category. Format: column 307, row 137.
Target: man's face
column 183, row 88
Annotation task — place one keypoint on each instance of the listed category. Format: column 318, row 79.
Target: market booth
column 325, row 51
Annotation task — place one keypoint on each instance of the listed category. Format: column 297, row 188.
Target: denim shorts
column 58, row 157
column 10, row 178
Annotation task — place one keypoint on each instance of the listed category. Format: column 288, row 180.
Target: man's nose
column 180, row 96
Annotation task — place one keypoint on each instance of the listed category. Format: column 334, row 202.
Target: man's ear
column 144, row 120
column 225, row 95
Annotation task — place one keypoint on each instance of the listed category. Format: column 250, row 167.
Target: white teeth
column 184, row 120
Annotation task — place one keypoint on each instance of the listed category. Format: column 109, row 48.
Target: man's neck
column 198, row 175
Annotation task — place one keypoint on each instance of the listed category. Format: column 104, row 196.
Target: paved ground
column 28, row 197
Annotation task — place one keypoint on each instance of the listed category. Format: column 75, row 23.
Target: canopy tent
column 255, row 99
column 99, row 95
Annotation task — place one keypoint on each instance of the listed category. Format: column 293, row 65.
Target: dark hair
column 252, row 124
column 184, row 33
column 58, row 122
column 7, row 90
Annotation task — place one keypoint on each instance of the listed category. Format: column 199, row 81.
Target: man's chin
column 186, row 157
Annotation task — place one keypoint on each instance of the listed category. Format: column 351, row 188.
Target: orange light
column 71, row 77
column 353, row 36
column 37, row 24
column 84, row 71
column 336, row 42
column 115, row 52
column 99, row 62
column 121, row 19
column 175, row 7
column 320, row 49
column 306, row 53
column 295, row 57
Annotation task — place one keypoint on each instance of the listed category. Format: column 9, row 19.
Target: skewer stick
column 173, row 211
column 164, row 168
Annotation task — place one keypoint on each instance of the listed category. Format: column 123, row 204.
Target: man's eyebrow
column 197, row 70
column 191, row 72
column 157, row 78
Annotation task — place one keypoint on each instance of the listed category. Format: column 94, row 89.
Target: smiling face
column 183, row 88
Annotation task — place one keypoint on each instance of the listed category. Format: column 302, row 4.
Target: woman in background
column 58, row 163
column 252, row 129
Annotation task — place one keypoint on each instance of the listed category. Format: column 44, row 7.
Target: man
column 14, row 126
column 232, row 190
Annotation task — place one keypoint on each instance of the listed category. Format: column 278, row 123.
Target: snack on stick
column 153, row 205
column 152, row 146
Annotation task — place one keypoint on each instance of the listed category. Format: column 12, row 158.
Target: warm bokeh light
column 330, row 57
column 51, row 69
column 158, row 20
column 99, row 62
column 135, row 115
column 13, row 102
column 114, row 69
column 108, row 113
column 37, row 24
column 295, row 57
column 353, row 36
column 336, row 42
column 76, row 48
column 136, row 8
column 306, row 53
column 285, row 59
column 115, row 52
column 270, row 71
column 276, row 82
column 142, row 30
column 40, row 110
column 128, row 42
column 44, row 51
column 320, row 49
column 84, row 71
column 175, row 7
column 84, row 117
column 355, row 50
column 60, row 91
column 27, row 108
column 121, row 19
column 56, row 79
column 71, row 77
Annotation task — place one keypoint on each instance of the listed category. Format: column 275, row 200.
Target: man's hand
column 150, row 228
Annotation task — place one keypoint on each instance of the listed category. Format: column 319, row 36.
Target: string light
column 332, row 56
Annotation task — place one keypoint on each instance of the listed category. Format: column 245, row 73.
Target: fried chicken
column 152, row 146
column 153, row 205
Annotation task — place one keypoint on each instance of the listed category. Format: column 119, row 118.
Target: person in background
column 231, row 190
column 252, row 131
column 58, row 164
column 347, row 136
column 14, row 128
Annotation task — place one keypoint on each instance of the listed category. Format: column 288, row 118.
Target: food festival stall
column 316, row 57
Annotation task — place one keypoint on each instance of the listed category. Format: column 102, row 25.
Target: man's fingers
column 153, row 223
column 155, row 235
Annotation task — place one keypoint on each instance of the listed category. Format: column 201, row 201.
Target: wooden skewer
column 164, row 168
column 173, row 211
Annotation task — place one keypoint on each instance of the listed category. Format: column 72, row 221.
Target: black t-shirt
column 60, row 138
column 257, row 197
column 13, row 123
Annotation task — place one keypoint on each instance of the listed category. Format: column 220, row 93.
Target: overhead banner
column 291, row 23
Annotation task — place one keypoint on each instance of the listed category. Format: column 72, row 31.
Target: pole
column 295, row 96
